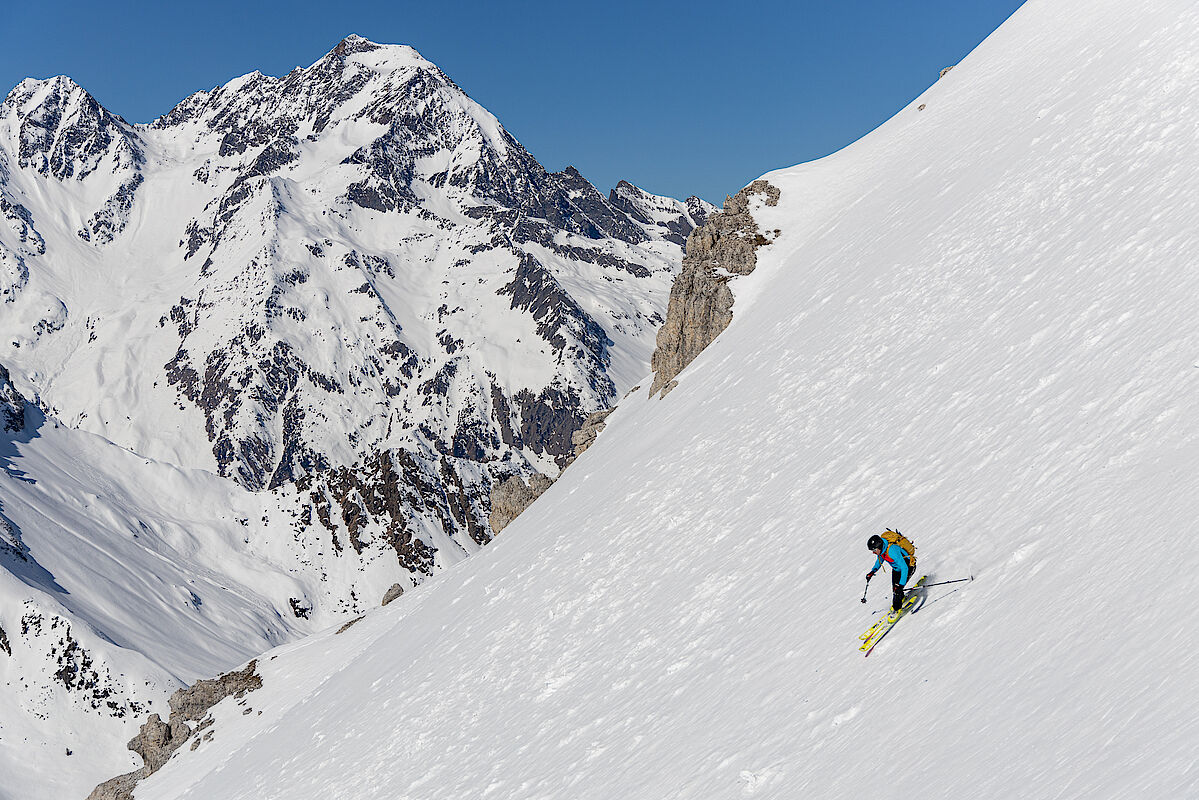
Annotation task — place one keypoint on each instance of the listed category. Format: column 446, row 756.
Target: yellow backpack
column 895, row 537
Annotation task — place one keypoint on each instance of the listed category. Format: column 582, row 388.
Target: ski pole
column 942, row 583
column 865, row 590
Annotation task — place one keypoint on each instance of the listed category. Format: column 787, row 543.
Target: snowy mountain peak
column 356, row 44
column 35, row 91
column 56, row 128
column 385, row 99
column 385, row 57
column 355, row 54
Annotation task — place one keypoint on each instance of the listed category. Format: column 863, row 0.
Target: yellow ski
column 880, row 628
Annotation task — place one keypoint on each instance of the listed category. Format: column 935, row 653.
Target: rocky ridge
column 510, row 498
column 157, row 741
column 12, row 404
column 722, row 245
column 701, row 302
column 675, row 218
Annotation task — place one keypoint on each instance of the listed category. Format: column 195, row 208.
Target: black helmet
column 875, row 542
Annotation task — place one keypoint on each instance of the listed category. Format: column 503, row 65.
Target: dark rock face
column 389, row 490
column 549, row 420
column 699, row 211
column 535, row 290
column 110, row 219
column 12, row 405
column 21, row 222
column 76, row 669
column 253, row 377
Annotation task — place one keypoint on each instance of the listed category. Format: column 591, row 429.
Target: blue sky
column 678, row 98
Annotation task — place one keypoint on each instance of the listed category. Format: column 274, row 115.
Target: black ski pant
column 897, row 588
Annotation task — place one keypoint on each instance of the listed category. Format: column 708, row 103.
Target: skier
column 894, row 555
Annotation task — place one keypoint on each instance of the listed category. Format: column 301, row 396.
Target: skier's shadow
column 921, row 594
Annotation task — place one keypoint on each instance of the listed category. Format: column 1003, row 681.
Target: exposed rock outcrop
column 585, row 436
column 157, row 741
column 391, row 594
column 700, row 300
column 513, row 496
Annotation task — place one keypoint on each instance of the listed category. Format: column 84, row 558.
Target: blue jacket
column 897, row 558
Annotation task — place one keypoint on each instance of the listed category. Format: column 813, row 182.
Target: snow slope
column 977, row 325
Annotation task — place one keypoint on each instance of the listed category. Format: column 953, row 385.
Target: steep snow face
column 977, row 325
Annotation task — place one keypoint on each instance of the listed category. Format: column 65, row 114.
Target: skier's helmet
column 875, row 542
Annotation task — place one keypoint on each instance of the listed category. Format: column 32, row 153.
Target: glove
column 869, row 574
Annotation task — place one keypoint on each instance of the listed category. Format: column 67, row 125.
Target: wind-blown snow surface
column 978, row 325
